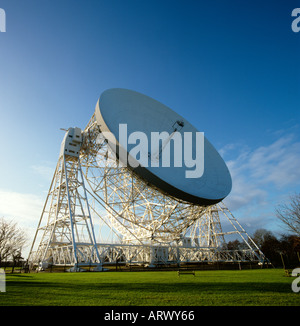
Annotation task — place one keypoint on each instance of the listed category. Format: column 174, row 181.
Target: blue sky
column 230, row 67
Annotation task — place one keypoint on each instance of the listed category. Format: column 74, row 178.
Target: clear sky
column 230, row 67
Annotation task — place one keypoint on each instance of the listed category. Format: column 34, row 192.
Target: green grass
column 207, row 288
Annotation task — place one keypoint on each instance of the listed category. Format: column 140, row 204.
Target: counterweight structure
column 100, row 212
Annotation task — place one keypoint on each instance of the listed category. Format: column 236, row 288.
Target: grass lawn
column 208, row 288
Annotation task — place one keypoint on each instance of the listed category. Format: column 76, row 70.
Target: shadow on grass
column 188, row 288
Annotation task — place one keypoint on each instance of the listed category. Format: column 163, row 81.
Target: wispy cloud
column 25, row 209
column 45, row 170
column 278, row 164
column 263, row 173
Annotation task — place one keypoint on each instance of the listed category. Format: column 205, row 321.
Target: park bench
column 179, row 272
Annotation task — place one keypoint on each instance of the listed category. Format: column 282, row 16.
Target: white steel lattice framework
column 146, row 226
column 65, row 231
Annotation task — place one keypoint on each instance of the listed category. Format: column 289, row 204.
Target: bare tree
column 12, row 239
column 289, row 214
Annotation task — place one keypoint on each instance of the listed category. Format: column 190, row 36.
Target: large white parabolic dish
column 141, row 113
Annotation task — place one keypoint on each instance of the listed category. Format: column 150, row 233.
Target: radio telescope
column 132, row 188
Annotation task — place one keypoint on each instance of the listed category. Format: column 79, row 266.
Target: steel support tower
column 65, row 231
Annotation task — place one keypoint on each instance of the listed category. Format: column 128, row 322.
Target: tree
column 289, row 214
column 286, row 249
column 261, row 236
column 268, row 244
column 12, row 239
column 290, row 249
column 233, row 245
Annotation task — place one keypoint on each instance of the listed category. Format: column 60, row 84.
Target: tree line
column 282, row 251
